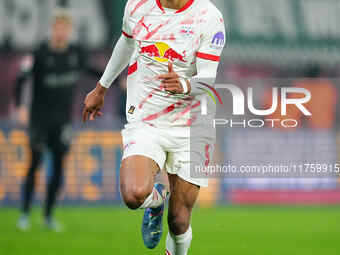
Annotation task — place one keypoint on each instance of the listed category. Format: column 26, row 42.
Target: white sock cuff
column 183, row 237
column 154, row 200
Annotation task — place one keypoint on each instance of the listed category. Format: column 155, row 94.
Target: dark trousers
column 57, row 140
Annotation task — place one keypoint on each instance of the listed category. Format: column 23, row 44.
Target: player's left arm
column 207, row 61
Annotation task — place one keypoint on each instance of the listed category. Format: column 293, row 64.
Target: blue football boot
column 152, row 227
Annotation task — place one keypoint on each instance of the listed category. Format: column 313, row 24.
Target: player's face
column 61, row 31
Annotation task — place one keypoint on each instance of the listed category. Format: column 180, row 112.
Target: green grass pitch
column 222, row 230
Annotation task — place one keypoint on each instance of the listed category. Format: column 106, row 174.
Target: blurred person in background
column 54, row 68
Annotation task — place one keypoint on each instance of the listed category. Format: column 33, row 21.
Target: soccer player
column 174, row 48
column 54, row 68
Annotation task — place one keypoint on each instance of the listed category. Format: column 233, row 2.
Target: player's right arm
column 25, row 73
column 119, row 60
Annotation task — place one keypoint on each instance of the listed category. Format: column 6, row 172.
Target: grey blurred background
column 281, row 40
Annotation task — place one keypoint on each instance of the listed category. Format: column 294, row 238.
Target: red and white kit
column 192, row 38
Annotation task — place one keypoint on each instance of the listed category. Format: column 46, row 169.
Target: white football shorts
column 169, row 148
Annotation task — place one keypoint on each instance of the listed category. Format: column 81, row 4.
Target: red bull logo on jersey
column 161, row 52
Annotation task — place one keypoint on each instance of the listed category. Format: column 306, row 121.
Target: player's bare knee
column 134, row 197
column 132, row 203
column 129, row 199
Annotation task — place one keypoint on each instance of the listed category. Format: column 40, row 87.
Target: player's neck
column 58, row 46
column 173, row 4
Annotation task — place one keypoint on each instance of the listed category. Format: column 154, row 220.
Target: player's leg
column 36, row 147
column 137, row 175
column 138, row 190
column 182, row 200
column 30, row 180
column 28, row 189
column 184, row 188
column 143, row 158
column 55, row 183
column 58, row 142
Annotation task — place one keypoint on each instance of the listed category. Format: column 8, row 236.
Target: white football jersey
column 162, row 35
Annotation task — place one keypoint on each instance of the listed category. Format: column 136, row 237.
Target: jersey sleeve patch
column 218, row 41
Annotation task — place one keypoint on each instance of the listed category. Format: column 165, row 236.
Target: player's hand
column 171, row 81
column 22, row 115
column 93, row 103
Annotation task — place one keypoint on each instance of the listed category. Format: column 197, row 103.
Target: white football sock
column 178, row 245
column 154, row 200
